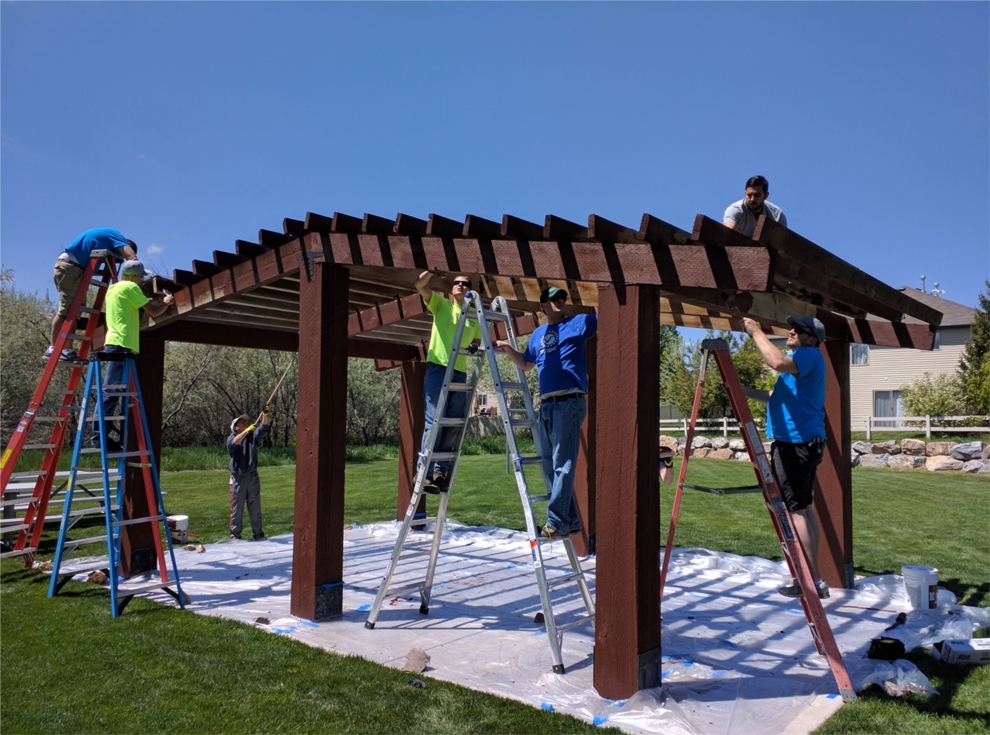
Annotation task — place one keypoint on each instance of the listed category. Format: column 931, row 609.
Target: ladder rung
column 90, row 419
column 18, row 501
column 18, row 552
column 539, row 498
column 724, row 490
column 39, row 446
column 523, row 424
column 494, row 315
column 125, row 590
column 575, row 623
column 68, row 570
column 9, row 525
column 563, row 579
column 404, row 588
column 90, row 511
column 444, row 456
column 460, row 387
column 414, row 555
column 50, row 419
column 60, row 407
column 78, row 337
column 114, row 394
column 513, row 386
column 27, row 475
column 81, row 541
column 471, row 353
column 451, row 422
column 88, row 310
column 98, row 283
column 133, row 521
column 529, row 461
column 118, row 455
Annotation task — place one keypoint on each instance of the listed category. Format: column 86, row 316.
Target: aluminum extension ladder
column 109, row 503
column 26, row 495
column 821, row 632
column 487, row 319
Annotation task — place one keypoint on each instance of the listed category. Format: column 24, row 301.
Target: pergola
column 334, row 287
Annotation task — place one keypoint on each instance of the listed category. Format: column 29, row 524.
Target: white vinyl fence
column 869, row 424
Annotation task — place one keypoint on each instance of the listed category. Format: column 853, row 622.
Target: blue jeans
column 456, row 408
column 560, row 437
column 114, row 375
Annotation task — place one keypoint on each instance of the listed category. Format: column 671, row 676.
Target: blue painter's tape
column 665, row 674
column 599, row 720
column 546, row 706
column 795, row 611
column 362, row 608
column 832, row 696
column 310, row 623
column 330, row 585
column 688, row 663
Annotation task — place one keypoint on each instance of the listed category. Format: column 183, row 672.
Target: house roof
column 953, row 314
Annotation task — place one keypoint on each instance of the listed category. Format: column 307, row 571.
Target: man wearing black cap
column 796, row 426
column 557, row 349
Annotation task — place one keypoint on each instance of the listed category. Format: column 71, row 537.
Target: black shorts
column 794, row 467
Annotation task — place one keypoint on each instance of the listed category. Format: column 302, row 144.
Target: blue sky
column 189, row 125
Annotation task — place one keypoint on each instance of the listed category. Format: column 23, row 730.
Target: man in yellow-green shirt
column 123, row 304
column 446, row 313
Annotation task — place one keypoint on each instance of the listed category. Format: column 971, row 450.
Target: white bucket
column 178, row 526
column 921, row 584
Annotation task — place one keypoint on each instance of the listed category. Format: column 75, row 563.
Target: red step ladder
column 99, row 273
column 821, row 632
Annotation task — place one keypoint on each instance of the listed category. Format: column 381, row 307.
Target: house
column 876, row 374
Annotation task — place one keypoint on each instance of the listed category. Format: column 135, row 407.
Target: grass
column 165, row 669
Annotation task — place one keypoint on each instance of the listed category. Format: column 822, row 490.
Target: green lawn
column 164, row 669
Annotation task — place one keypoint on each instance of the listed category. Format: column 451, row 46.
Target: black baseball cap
column 810, row 325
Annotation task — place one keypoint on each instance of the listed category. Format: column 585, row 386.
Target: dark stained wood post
column 627, row 623
column 318, row 521
column 584, row 476
column 137, row 542
column 412, row 420
column 833, row 491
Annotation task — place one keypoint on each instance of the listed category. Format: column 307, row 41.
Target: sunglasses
column 798, row 329
column 466, row 284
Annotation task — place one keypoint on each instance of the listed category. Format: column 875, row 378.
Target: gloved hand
column 265, row 410
column 666, row 457
column 250, row 428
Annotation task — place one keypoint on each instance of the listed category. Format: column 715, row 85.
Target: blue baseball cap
column 810, row 325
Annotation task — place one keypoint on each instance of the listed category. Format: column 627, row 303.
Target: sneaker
column 552, row 533
column 794, row 589
column 262, row 537
column 440, row 482
column 48, row 353
column 70, row 356
column 429, row 488
column 234, row 537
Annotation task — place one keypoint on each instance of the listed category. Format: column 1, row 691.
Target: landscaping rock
column 416, row 661
column 766, row 448
column 737, row 445
column 724, row 453
column 906, row 462
column 701, row 452
column 700, row 441
column 669, row 441
column 979, row 466
column 742, row 456
column 681, row 441
column 888, row 447
column 914, row 447
column 934, row 449
column 873, row 460
column 854, row 459
column 967, row 451
column 942, row 463
column 862, row 448
column 986, row 452
column 720, row 442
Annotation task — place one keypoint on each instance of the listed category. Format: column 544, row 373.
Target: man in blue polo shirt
column 557, row 349
column 796, row 426
column 69, row 271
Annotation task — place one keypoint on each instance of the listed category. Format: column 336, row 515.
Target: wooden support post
column 584, row 476
column 318, row 521
column 627, row 622
column 412, row 420
column 137, row 543
column 833, row 490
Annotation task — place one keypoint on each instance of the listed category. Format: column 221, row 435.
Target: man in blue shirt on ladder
column 796, row 426
column 557, row 349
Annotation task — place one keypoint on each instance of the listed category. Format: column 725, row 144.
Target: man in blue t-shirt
column 69, row 271
column 557, row 349
column 796, row 426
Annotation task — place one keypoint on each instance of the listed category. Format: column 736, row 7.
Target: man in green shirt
column 446, row 314
column 123, row 304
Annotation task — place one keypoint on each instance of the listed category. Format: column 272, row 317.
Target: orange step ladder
column 821, row 632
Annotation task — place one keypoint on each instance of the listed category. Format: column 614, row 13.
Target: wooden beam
column 833, row 487
column 318, row 547
column 627, row 621
column 412, row 421
column 823, row 262
column 584, row 473
column 223, row 335
column 227, row 260
column 391, row 312
column 202, row 268
column 443, row 227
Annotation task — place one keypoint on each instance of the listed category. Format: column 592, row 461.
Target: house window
column 483, row 399
column 887, row 403
column 860, row 354
column 937, row 343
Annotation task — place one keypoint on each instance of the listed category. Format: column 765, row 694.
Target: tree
column 942, row 396
column 26, row 320
column 974, row 367
column 372, row 402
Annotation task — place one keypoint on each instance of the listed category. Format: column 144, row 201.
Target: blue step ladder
column 101, row 491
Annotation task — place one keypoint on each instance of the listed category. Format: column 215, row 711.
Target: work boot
column 429, row 488
column 440, row 482
column 552, row 533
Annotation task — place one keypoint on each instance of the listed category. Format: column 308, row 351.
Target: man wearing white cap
column 796, row 426
column 123, row 305
column 245, row 485
column 557, row 348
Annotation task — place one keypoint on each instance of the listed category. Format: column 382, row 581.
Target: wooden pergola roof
column 710, row 278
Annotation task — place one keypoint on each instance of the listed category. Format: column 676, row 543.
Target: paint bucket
column 921, row 584
column 178, row 527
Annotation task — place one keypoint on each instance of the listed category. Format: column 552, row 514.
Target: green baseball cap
column 552, row 293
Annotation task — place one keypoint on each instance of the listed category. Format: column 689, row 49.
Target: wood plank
column 833, row 486
column 479, row 227
column 408, row 225
column 208, row 333
column 412, row 421
column 226, row 260
column 443, row 227
column 627, row 625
